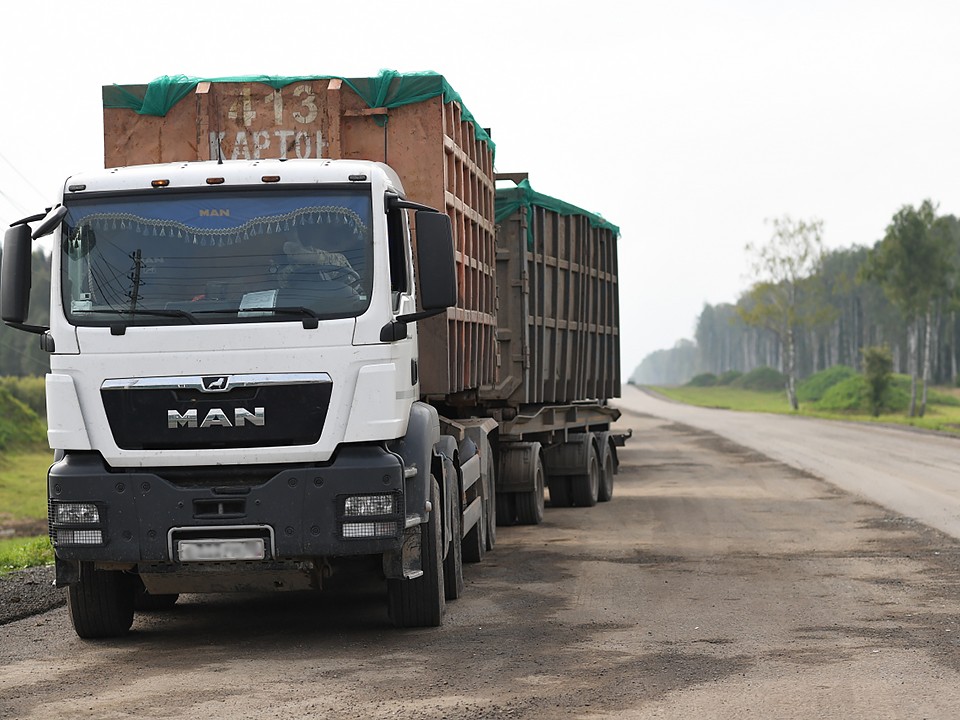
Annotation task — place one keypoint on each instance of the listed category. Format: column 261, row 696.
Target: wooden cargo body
column 559, row 304
column 430, row 144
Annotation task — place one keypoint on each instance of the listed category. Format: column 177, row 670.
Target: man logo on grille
column 215, row 417
column 215, row 384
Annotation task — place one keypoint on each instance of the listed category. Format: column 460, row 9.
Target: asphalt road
column 718, row 583
column 909, row 471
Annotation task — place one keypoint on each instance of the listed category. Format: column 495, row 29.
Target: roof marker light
column 270, row 178
column 215, row 181
column 160, row 183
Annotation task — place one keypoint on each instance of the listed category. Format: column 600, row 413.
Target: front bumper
column 298, row 510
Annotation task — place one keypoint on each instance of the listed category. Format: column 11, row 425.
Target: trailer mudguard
column 570, row 457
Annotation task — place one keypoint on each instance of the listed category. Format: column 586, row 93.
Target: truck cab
column 234, row 389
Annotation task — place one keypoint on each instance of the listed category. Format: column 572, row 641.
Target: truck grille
column 237, row 411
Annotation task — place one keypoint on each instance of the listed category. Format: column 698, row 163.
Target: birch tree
column 781, row 267
column 913, row 264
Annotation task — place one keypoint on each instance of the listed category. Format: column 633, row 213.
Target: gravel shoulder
column 28, row 592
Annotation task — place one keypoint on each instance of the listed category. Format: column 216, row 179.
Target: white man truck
column 294, row 328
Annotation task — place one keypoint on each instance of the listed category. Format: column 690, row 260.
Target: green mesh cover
column 509, row 200
column 389, row 89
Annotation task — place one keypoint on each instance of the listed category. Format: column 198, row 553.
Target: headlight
column 76, row 514
column 75, row 523
column 367, row 505
column 371, row 516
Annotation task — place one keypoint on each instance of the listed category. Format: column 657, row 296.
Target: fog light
column 76, row 513
column 365, row 505
column 369, row 529
column 79, row 537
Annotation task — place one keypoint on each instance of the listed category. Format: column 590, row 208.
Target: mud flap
column 407, row 563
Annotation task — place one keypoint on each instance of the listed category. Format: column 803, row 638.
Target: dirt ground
column 716, row 584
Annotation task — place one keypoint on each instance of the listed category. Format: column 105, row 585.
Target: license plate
column 220, row 550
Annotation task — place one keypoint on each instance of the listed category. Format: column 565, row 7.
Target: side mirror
column 15, row 275
column 50, row 222
column 436, row 273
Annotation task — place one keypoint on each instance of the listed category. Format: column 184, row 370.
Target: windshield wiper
column 143, row 311
column 310, row 322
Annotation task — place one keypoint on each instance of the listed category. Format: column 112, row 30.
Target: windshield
column 216, row 257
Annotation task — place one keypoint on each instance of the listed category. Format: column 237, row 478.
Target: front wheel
column 421, row 602
column 101, row 603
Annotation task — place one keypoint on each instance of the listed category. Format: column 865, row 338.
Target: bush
column 764, row 379
column 878, row 370
column 729, row 377
column 847, row 396
column 30, row 390
column 20, row 428
column 939, row 398
column 815, row 386
column 853, row 396
column 704, row 380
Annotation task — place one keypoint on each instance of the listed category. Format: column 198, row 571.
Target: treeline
column 855, row 312
column 20, row 353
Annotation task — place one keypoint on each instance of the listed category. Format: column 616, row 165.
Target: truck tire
column 506, row 508
column 605, row 493
column 530, row 504
column 421, row 602
column 560, row 491
column 143, row 601
column 101, row 603
column 453, row 562
column 585, row 489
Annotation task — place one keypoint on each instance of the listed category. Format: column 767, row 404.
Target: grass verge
column 23, row 498
column 19, row 553
column 941, row 418
column 23, row 484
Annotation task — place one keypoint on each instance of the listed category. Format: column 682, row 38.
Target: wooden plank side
column 432, row 148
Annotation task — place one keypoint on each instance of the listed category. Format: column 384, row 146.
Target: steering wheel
column 341, row 273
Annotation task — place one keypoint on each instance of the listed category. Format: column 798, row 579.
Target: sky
column 689, row 123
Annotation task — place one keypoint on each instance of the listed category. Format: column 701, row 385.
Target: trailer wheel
column 560, row 491
column 530, row 503
column 421, row 602
column 585, row 489
column 506, row 508
column 143, row 601
column 101, row 603
column 453, row 563
column 605, row 493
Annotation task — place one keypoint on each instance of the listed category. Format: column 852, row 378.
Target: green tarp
column 509, row 200
column 389, row 89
